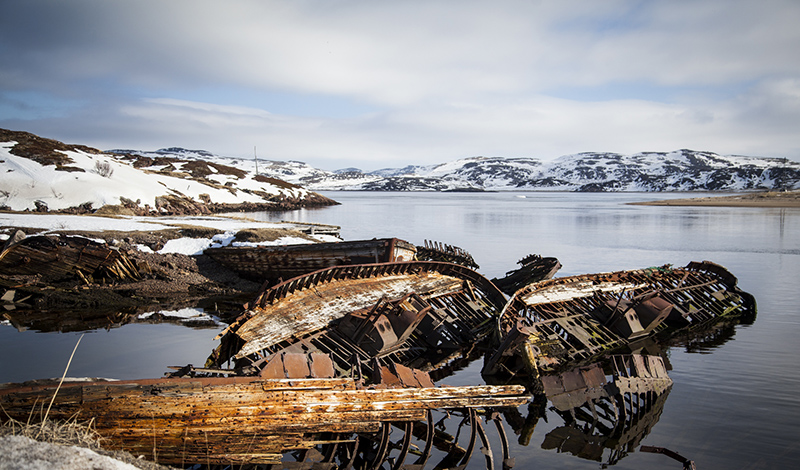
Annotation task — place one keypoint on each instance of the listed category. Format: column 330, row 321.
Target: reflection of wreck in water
column 51, row 320
column 551, row 324
column 603, row 413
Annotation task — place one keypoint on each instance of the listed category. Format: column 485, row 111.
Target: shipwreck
column 278, row 263
column 532, row 268
column 419, row 314
column 53, row 258
column 251, row 420
column 561, row 322
column 324, row 365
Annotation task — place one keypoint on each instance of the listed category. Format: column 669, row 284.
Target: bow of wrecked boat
column 552, row 324
column 419, row 314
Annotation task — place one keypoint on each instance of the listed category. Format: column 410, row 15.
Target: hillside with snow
column 38, row 174
column 681, row 170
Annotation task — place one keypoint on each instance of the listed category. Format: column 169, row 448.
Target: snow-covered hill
column 46, row 175
column 43, row 174
column 681, row 170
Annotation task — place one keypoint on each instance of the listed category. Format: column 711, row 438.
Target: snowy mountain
column 44, row 175
column 40, row 174
column 681, row 170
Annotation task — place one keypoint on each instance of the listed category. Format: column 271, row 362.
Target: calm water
column 733, row 405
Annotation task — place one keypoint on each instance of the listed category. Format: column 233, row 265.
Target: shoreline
column 768, row 199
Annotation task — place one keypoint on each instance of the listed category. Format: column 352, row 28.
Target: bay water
column 735, row 402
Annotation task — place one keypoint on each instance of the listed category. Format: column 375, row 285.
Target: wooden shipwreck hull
column 416, row 314
column 533, row 268
column 56, row 258
column 273, row 263
column 237, row 419
column 437, row 251
column 565, row 321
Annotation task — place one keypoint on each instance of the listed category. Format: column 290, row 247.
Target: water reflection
column 607, row 407
column 64, row 321
column 712, row 337
column 751, row 381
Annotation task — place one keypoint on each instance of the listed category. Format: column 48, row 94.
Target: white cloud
column 439, row 79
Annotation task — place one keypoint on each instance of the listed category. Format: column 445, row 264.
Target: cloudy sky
column 375, row 84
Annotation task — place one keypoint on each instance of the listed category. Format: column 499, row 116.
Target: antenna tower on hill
column 256, row 158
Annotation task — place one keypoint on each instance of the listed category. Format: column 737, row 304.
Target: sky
column 376, row 84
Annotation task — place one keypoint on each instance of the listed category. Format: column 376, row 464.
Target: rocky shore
column 158, row 280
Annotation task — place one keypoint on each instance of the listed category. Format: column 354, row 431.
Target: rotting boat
column 282, row 262
column 418, row 314
column 532, row 268
column 250, row 420
column 565, row 321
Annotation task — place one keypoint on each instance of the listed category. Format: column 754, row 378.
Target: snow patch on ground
column 53, row 222
column 188, row 246
column 23, row 452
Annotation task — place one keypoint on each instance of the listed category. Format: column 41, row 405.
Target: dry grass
column 72, row 433
column 69, row 433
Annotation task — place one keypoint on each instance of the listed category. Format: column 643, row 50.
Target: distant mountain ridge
column 45, row 175
column 681, row 170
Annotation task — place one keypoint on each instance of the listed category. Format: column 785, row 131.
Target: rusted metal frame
column 447, row 443
column 339, row 348
column 459, row 312
column 719, row 271
column 590, row 328
column 330, row 449
column 487, row 446
column 369, row 319
column 453, row 322
column 688, row 297
column 467, row 312
column 342, row 356
column 383, row 448
column 371, row 270
column 539, row 312
column 426, row 451
column 687, row 464
column 457, row 327
column 353, row 453
column 473, row 419
column 714, row 304
column 341, row 344
column 282, row 289
column 574, row 347
column 497, row 419
column 404, row 446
